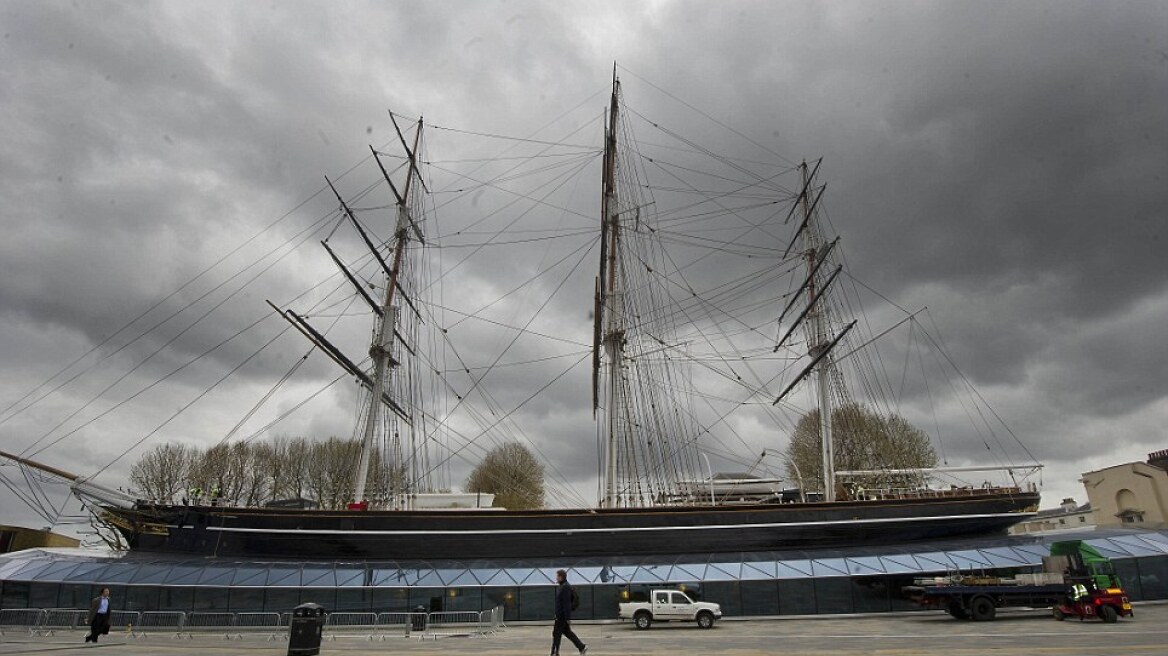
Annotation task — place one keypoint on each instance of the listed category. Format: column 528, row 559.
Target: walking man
column 565, row 604
column 99, row 616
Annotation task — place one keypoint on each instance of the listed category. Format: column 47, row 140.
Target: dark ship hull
column 471, row 534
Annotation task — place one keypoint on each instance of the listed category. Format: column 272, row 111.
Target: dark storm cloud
column 1003, row 165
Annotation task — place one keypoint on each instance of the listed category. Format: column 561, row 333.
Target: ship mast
column 383, row 341
column 612, row 322
column 818, row 343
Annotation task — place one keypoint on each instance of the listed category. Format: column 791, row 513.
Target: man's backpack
column 575, row 599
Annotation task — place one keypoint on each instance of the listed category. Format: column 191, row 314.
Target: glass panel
column 86, row 573
column 326, row 597
column 651, row 573
column 725, row 593
column 58, row 572
column 120, row 573
column 865, row 565
column 1153, row 577
column 468, row 598
column 211, row 599
column 623, row 573
column 249, row 575
column 317, row 576
column 75, row 595
column 389, row 576
column 151, row 574
column 833, row 595
column 829, row 566
column 494, row 576
column 899, row 564
column 538, row 603
column 183, row 575
column 429, row 600
column 44, row 595
column 899, row 600
column 688, row 572
column 173, row 598
column 578, row 574
column 870, row 594
column 246, row 600
column 508, row 598
column 282, row 575
column 216, row 576
column 1134, row 545
column 1004, row 557
column 353, row 600
column 29, row 571
column 969, row 560
column 423, row 577
column 933, row 561
column 759, row 597
column 1109, row 548
column 760, row 570
column 281, row 600
column 732, row 571
column 391, row 600
column 518, row 574
column 349, row 576
column 604, row 601
column 797, row 569
column 465, row 578
column 797, row 597
column 584, row 612
column 141, row 597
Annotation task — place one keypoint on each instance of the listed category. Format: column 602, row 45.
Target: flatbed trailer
column 980, row 602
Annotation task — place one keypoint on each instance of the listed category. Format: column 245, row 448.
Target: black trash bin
column 418, row 619
column 306, row 630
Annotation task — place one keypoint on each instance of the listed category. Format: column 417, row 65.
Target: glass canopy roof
column 103, row 567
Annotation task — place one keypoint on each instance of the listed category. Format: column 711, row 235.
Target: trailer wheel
column 1108, row 614
column 982, row 609
column 705, row 619
column 957, row 612
column 643, row 620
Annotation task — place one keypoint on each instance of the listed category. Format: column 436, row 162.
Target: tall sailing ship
column 651, row 327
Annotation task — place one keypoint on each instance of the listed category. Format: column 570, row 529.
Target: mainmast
column 818, row 341
column 383, row 341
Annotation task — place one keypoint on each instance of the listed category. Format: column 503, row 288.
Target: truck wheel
column 957, row 612
column 643, row 620
column 1108, row 614
column 982, row 609
column 705, row 619
column 1059, row 615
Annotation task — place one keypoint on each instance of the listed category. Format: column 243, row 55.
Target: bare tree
column 512, row 474
column 862, row 440
column 162, row 474
column 331, row 472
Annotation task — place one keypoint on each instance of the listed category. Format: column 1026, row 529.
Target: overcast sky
column 1003, row 164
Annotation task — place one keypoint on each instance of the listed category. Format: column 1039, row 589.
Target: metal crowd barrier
column 159, row 621
column 349, row 620
column 24, row 618
column 61, row 619
column 211, row 621
column 46, row 621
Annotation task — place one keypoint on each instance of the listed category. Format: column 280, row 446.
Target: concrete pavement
column 1018, row 633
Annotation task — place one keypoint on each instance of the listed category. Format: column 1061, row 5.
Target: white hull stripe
column 638, row 529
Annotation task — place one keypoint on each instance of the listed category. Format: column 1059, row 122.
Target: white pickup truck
column 665, row 605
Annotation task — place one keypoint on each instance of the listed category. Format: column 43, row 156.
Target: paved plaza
column 1020, row 633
